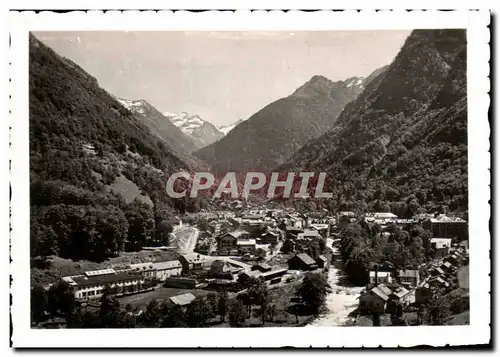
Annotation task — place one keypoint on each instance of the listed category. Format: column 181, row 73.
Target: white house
column 93, row 284
column 167, row 269
column 380, row 277
column 246, row 245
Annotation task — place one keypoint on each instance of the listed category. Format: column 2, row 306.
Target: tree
column 237, row 314
column 264, row 305
column 260, row 253
column 174, row 316
column 203, row 224
column 139, row 216
column 61, row 299
column 358, row 264
column 39, row 303
column 271, row 311
column 222, row 305
column 43, row 240
column 198, row 313
column 313, row 291
column 152, row 314
column 438, row 310
column 163, row 232
column 257, row 293
column 109, row 310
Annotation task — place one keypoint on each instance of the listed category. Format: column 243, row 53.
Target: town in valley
column 251, row 266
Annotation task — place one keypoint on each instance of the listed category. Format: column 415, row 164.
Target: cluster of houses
column 443, row 273
column 230, row 235
column 391, row 291
column 388, row 289
column 190, row 271
column 241, row 234
column 440, row 225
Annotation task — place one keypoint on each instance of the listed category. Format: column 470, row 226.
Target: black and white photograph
column 252, row 180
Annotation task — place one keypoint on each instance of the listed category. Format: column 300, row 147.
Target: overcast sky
column 222, row 76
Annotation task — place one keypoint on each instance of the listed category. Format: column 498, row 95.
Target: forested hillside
column 270, row 136
column 81, row 141
column 402, row 145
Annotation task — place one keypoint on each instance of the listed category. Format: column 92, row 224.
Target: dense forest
column 365, row 246
column 402, row 145
column 83, row 142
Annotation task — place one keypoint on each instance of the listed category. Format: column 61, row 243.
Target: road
column 276, row 251
column 185, row 239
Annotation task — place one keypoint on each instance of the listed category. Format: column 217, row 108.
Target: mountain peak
column 319, row 78
column 201, row 131
column 317, row 85
column 276, row 131
column 320, row 85
column 225, row 129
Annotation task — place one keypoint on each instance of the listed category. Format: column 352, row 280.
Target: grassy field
column 140, row 301
column 60, row 267
column 463, row 277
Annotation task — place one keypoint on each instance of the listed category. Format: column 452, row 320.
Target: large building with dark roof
column 93, row 284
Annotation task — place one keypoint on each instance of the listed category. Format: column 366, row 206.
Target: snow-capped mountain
column 227, row 128
column 355, row 81
column 202, row 132
column 161, row 127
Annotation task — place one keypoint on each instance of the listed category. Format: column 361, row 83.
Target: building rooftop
column 442, row 218
column 346, row 213
column 246, row 242
column 274, row 271
column 306, row 259
column 441, row 242
column 142, row 266
column 171, row 264
column 408, row 273
column 263, row 266
column 105, row 279
column 238, row 233
column 184, row 299
column 381, row 215
column 100, row 272
column 193, row 258
column 323, row 258
column 400, row 292
column 308, row 233
column 380, row 293
column 293, row 229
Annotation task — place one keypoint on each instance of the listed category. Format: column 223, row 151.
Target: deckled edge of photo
column 478, row 83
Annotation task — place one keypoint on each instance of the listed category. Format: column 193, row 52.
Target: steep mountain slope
column 178, row 142
column 83, row 144
column 271, row 135
column 202, row 132
column 403, row 143
column 227, row 128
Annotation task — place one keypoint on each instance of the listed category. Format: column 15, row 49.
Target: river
column 342, row 300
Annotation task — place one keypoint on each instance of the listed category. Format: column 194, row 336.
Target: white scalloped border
column 478, row 55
